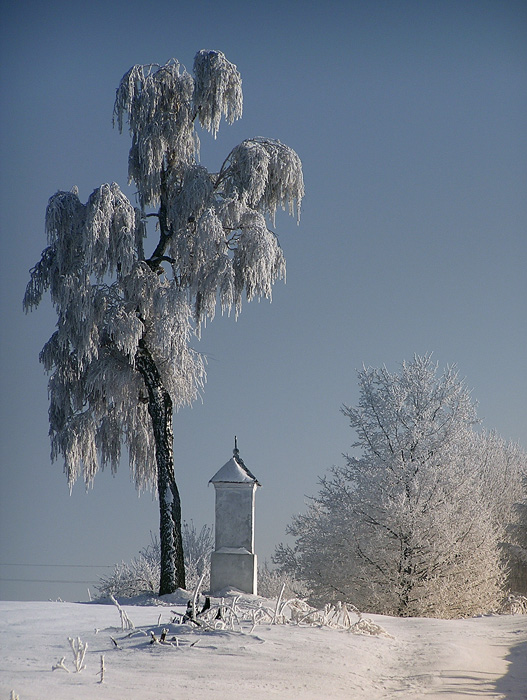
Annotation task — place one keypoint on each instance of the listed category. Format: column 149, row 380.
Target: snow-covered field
column 422, row 658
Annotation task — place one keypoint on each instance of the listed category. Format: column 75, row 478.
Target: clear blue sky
column 410, row 120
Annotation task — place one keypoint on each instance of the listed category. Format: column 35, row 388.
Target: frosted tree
column 120, row 359
column 502, row 474
column 407, row 526
column 515, row 540
column 516, row 547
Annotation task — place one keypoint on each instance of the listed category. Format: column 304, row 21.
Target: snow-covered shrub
column 198, row 547
column 271, row 581
column 141, row 575
column 243, row 614
column 515, row 604
column 137, row 577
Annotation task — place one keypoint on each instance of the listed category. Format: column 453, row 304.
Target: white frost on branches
column 217, row 91
column 413, row 525
column 210, row 219
column 114, row 303
column 161, row 103
column 140, row 576
column 265, row 174
column 126, row 623
column 78, row 649
column 157, row 103
column 96, row 393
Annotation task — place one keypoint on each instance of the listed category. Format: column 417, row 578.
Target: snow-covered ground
column 421, row 658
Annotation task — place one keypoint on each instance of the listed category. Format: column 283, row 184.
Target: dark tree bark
column 170, row 538
column 160, row 409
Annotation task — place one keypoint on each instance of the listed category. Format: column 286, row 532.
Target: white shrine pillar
column 233, row 563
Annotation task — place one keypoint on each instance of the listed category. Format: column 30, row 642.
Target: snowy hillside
column 417, row 658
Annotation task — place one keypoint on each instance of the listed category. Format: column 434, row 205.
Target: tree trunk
column 407, row 579
column 160, row 410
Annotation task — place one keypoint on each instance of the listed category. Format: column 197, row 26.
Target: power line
column 68, row 566
column 60, row 566
column 39, row 580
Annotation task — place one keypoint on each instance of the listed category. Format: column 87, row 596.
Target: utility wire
column 68, row 566
column 39, row 580
column 60, row 566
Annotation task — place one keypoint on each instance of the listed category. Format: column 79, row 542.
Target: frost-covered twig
column 79, row 652
column 14, row 696
column 278, row 601
column 115, row 644
column 229, row 616
column 126, row 623
column 103, row 669
column 61, row 665
column 221, row 616
column 195, row 597
column 337, row 616
column 163, row 638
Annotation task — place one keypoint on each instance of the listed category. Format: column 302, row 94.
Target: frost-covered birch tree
column 120, row 359
column 413, row 524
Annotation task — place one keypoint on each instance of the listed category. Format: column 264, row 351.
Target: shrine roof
column 234, row 472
